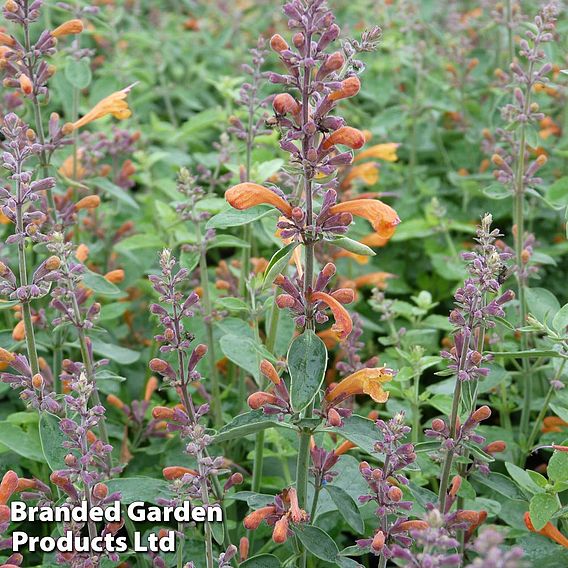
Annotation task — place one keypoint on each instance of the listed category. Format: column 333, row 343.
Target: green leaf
column 113, row 191
column 541, row 509
column 115, row 352
column 542, row 304
column 560, row 320
column 500, row 484
column 233, row 304
column 245, row 352
column 189, row 260
column 235, row 218
column 352, row 246
column 227, row 241
column 145, row 489
column 522, row 478
column 278, row 263
column 557, row 193
column 21, row 440
column 317, row 541
column 557, row 469
column 6, row 305
column 496, row 191
column 307, row 361
column 361, row 431
column 52, row 438
column 142, row 241
column 78, row 72
column 100, row 285
column 347, row 507
column 344, row 562
column 247, row 423
column 261, row 561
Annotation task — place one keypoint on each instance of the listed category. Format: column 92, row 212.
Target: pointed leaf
column 278, row 263
column 307, row 361
column 317, row 541
column 347, row 507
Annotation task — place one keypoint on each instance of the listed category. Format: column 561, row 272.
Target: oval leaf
column 352, row 246
column 278, row 263
column 52, row 438
column 541, row 509
column 318, row 542
column 347, row 507
column 307, row 361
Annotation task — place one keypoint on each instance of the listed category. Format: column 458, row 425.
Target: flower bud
column 37, row 381
column 285, row 103
column 113, row 400
column 481, row 414
column 100, row 491
column 438, row 425
column 496, row 447
column 89, row 202
column 378, row 541
column 278, row 43
column 334, row 418
column 82, row 253
column 456, row 484
column 284, row 301
column 259, row 399
column 26, row 84
column 53, row 263
column 395, row 494
column 268, row 370
column 115, row 276
column 162, row 413
column 244, row 546
column 413, row 526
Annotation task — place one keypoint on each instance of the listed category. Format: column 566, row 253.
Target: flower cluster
column 280, row 515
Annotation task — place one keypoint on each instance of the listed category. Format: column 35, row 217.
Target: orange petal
column 383, row 217
column 247, row 195
column 364, row 381
column 347, row 136
column 375, row 279
column 343, row 324
column 344, row 448
column 386, row 152
column 549, row 530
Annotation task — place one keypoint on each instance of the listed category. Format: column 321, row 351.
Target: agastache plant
column 202, row 483
column 516, row 168
column 313, row 137
column 477, row 303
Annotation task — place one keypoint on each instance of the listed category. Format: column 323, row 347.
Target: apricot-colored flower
column 71, row 27
column 151, row 387
column 115, row 276
column 386, row 152
column 553, row 424
column 176, row 471
column 375, row 279
column 383, row 217
column 8, row 486
column 343, row 324
column 115, row 104
column 344, row 448
column 368, row 173
column 247, row 195
column 349, row 88
column 364, row 381
column 549, row 530
column 66, row 168
column 346, row 136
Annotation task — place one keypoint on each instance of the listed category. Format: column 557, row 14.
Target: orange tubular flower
column 247, row 195
column 347, row 136
column 8, row 486
column 280, row 533
column 368, row 173
column 383, row 218
column 175, row 472
column 344, row 448
column 343, row 324
column 364, row 381
column 386, row 152
column 549, row 531
column 375, row 279
column 252, row 520
column 553, row 424
column 70, row 27
column 115, row 104
column 349, row 88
